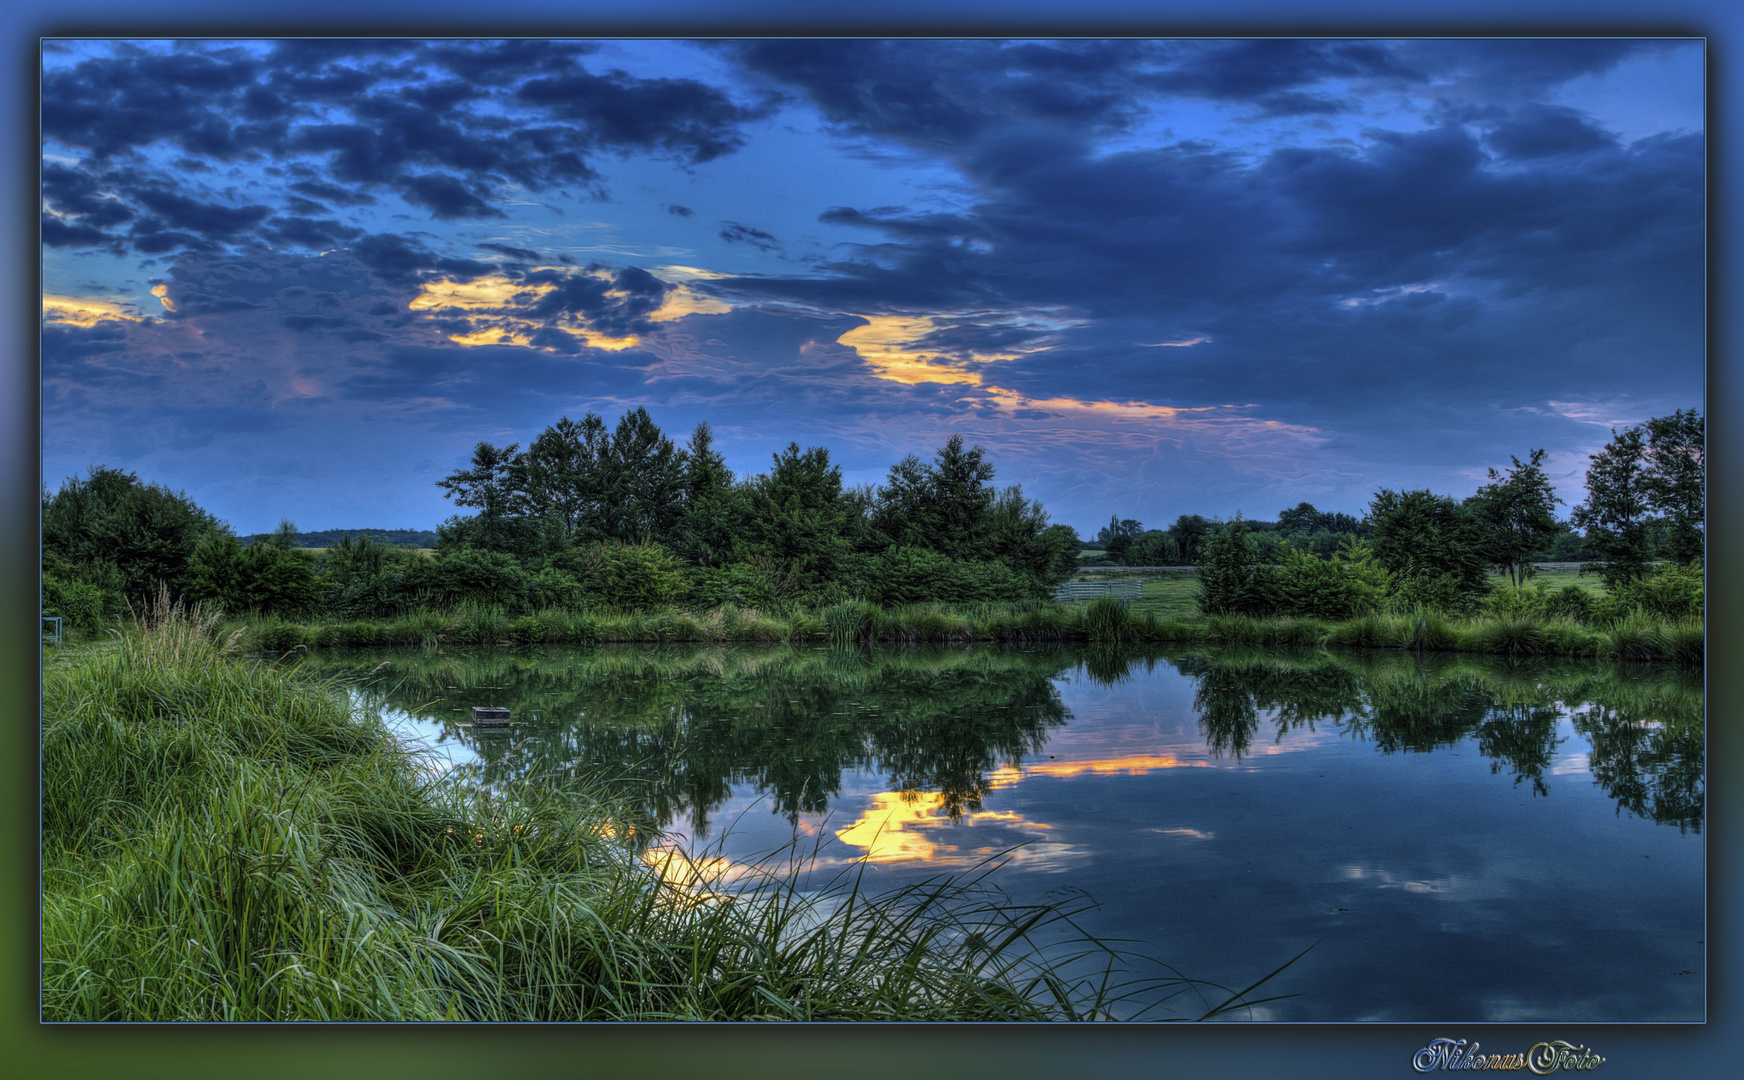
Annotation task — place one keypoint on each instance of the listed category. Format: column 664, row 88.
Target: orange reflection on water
column 893, row 828
column 1130, row 765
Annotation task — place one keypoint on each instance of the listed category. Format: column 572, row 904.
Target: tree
column 644, row 484
column 1226, row 571
column 1615, row 513
column 1190, row 531
column 560, row 481
column 109, row 526
column 1518, row 514
column 941, row 507
column 1302, row 518
column 490, row 486
column 1424, row 537
column 712, row 509
column 1116, row 527
column 795, row 514
column 1675, row 481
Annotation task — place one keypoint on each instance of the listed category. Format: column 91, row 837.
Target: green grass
column 230, row 840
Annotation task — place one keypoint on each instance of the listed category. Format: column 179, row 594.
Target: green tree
column 1518, row 515
column 1017, row 534
column 644, row 482
column 490, row 486
column 1190, row 531
column 712, row 512
column 1675, row 482
column 560, row 481
column 795, row 514
column 146, row 532
column 1422, row 537
column 941, row 507
column 1227, row 570
column 1117, row 527
column 1615, row 514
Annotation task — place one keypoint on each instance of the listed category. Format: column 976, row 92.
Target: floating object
column 489, row 716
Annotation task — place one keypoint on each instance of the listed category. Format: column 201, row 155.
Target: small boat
column 489, row 716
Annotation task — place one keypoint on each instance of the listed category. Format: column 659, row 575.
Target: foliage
column 624, row 575
column 268, row 578
column 1117, row 527
column 1421, row 537
column 1672, row 592
column 1518, row 515
column 711, row 520
column 795, row 514
column 146, row 532
column 467, row 575
column 1190, row 532
column 905, row 575
column 1227, row 572
column 1658, row 467
column 1675, row 481
column 1305, row 585
column 79, row 603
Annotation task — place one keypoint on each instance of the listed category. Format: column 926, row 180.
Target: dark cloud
column 518, row 253
column 679, row 211
column 309, row 232
column 1272, row 73
column 1548, row 132
column 617, row 306
column 444, row 126
column 446, row 197
column 333, row 193
column 683, row 117
column 401, row 262
column 949, row 93
column 737, row 233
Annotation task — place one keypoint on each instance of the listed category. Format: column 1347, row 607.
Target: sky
column 301, row 279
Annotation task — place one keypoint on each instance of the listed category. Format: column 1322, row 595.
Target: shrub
column 626, row 576
column 1672, row 593
column 1305, row 584
column 468, row 574
column 80, row 604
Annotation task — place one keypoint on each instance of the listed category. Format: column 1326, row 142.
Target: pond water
column 1457, row 838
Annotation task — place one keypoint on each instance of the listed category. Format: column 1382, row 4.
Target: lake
column 1451, row 838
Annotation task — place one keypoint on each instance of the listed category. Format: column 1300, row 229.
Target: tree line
column 586, row 514
column 1645, row 503
column 622, row 516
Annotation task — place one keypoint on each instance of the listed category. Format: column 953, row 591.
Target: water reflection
column 677, row 731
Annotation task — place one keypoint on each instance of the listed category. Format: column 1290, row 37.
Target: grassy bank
column 1634, row 637
column 227, row 840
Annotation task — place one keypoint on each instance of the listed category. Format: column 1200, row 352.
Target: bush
column 80, row 604
column 468, row 575
column 1671, row 593
column 627, row 576
column 908, row 575
column 1307, row 585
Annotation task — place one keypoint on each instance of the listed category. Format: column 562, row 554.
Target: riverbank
column 230, row 840
column 1633, row 637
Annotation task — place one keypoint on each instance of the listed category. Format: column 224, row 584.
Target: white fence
column 1124, row 591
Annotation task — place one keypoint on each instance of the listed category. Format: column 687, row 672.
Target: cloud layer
column 1151, row 277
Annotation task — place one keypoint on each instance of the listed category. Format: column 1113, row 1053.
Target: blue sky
column 302, row 279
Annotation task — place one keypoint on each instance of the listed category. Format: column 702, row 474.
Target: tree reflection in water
column 671, row 731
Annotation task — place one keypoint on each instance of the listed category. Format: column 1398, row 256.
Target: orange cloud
column 78, row 311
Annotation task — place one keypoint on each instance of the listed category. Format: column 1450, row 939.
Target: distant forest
column 326, row 538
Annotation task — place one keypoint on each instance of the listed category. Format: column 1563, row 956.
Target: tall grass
column 229, row 840
column 1105, row 621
